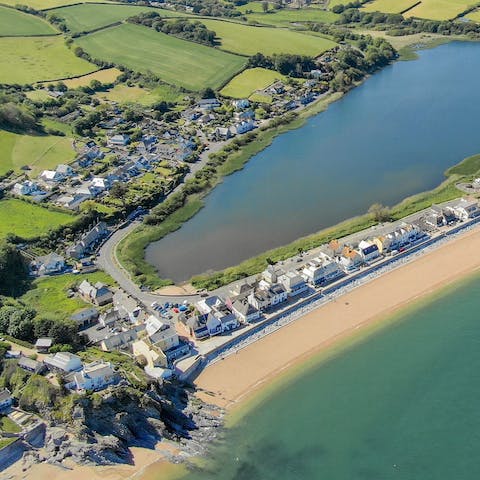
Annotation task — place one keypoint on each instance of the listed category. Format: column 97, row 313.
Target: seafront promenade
column 317, row 298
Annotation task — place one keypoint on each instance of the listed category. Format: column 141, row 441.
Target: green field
column 15, row 23
column 389, row 6
column 175, row 61
column 44, row 4
column 248, row 40
column 475, row 16
column 27, row 220
column 440, row 9
column 33, row 59
column 48, row 296
column 124, row 94
column 285, row 16
column 39, row 152
column 249, row 81
column 86, row 17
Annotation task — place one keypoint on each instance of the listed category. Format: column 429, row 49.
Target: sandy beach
column 232, row 381
column 239, row 376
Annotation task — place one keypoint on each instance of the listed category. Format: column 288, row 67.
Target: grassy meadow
column 176, row 61
column 124, row 94
column 440, row 9
column 36, row 59
column 39, row 152
column 87, row 17
column 48, row 296
column 283, row 17
column 249, row 81
column 108, row 75
column 28, row 220
column 389, row 6
column 475, row 16
column 248, row 40
column 15, row 23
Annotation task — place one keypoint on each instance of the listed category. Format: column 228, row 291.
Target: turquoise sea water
column 402, row 403
column 387, row 139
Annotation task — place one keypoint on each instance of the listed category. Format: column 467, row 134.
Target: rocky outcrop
column 104, row 425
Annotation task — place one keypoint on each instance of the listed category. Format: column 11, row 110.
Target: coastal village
column 174, row 340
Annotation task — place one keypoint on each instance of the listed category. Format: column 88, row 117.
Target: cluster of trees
column 209, row 8
column 21, row 323
column 13, row 271
column 396, row 24
column 284, row 63
column 16, row 114
column 194, row 31
column 342, row 7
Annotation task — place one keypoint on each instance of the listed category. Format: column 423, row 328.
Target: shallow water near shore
column 391, row 137
column 400, row 403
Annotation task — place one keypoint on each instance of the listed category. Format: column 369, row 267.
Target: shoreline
column 240, row 381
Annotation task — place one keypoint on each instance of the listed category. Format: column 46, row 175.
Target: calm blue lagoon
column 393, row 136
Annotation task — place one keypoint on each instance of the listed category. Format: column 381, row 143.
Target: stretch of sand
column 231, row 380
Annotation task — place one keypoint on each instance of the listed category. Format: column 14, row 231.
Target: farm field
column 175, row 61
column 285, row 16
column 249, row 81
column 109, row 75
column 15, row 23
column 87, row 17
column 46, row 4
column 125, row 94
column 48, row 296
column 389, row 6
column 27, row 220
column 440, row 9
column 34, row 59
column 39, row 152
column 248, row 40
column 475, row 16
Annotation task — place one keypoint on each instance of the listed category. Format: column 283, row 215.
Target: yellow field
column 389, row 6
column 249, row 81
column 108, row 75
column 440, row 9
column 125, row 94
column 44, row 4
column 475, row 16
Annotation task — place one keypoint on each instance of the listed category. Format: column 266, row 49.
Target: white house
column 277, row 294
column 64, row 362
column 465, row 209
column 293, row 283
column 51, row 263
column 5, row 399
column 244, row 127
column 368, row 250
column 321, row 270
column 162, row 335
column 65, row 170
column 118, row 140
column 51, row 176
column 350, row 259
column 245, row 312
column 93, row 376
column 26, row 188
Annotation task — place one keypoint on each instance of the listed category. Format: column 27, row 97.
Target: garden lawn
column 124, row 94
column 389, row 6
column 33, row 59
column 87, row 17
column 286, row 16
column 108, row 75
column 9, row 426
column 39, row 152
column 440, row 9
column 49, row 297
column 175, row 61
column 28, row 220
column 16, row 23
column 248, row 40
column 249, row 81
